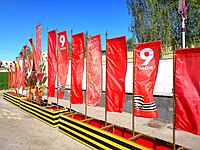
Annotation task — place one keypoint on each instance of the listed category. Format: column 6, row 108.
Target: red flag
column 14, row 75
column 11, row 75
column 77, row 68
column 63, row 61
column 23, row 68
column 146, row 63
column 187, row 90
column 28, row 59
column 33, row 51
column 94, row 71
column 116, row 66
column 38, row 50
column 18, row 73
column 52, row 62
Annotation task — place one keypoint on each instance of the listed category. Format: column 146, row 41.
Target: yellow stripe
column 86, row 138
column 13, row 102
column 78, row 140
column 40, row 115
column 95, row 135
column 53, row 112
column 13, row 99
column 54, row 126
column 42, row 112
column 108, row 134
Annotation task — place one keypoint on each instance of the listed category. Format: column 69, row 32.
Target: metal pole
column 57, row 65
column 86, row 42
column 183, row 32
column 70, row 109
column 47, row 71
column 174, row 103
column 106, row 78
column 133, row 104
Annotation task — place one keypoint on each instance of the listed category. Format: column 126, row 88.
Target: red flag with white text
column 52, row 63
column 146, row 61
column 63, row 62
column 187, row 90
column 94, row 71
column 116, row 66
column 38, row 50
column 77, row 65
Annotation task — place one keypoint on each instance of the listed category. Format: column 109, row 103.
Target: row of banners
column 146, row 61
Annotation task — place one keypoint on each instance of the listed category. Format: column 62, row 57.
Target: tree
column 159, row 20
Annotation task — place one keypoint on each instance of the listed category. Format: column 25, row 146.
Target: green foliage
column 3, row 80
column 159, row 20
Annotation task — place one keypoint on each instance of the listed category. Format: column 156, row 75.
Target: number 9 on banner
column 146, row 54
column 62, row 40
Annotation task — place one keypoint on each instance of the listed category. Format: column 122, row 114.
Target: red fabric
column 38, row 50
column 146, row 63
column 23, row 68
column 33, row 51
column 116, row 66
column 77, row 68
column 18, row 73
column 28, row 59
column 63, row 61
column 187, row 90
column 40, row 76
column 94, row 71
column 52, row 63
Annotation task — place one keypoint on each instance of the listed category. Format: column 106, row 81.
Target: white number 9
column 62, row 40
column 149, row 55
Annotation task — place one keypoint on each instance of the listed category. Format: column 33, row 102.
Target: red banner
column 77, row 68
column 23, row 69
column 38, row 50
column 33, row 52
column 187, row 90
column 63, row 62
column 146, row 63
column 28, row 59
column 94, row 71
column 52, row 62
column 18, row 73
column 116, row 66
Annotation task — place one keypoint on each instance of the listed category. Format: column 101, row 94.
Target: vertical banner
column 33, row 52
column 14, row 75
column 28, row 59
column 18, row 73
column 63, row 62
column 52, row 62
column 38, row 50
column 146, row 61
column 116, row 66
column 94, row 71
column 77, row 68
column 11, row 75
column 23, row 68
column 187, row 90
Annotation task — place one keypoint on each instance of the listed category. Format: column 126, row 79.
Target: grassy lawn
column 3, row 80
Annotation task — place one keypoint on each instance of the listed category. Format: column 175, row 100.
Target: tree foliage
column 159, row 20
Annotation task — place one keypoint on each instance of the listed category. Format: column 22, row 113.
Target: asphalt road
column 20, row 131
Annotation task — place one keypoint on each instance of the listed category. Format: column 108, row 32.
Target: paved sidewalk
column 20, row 131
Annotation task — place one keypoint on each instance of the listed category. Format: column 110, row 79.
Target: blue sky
column 19, row 19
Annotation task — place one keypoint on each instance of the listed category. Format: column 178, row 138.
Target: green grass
column 3, row 80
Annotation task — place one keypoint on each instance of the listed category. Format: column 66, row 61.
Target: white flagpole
column 183, row 32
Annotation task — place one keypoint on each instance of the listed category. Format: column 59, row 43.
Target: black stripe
column 90, row 137
column 101, row 134
column 11, row 101
column 80, row 138
column 41, row 113
column 30, row 104
column 40, row 117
